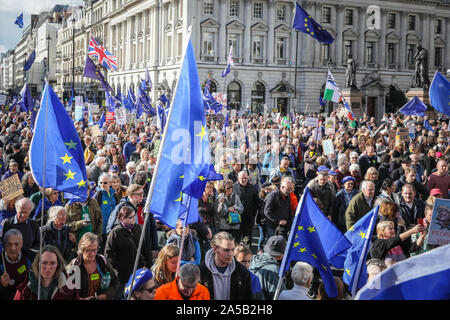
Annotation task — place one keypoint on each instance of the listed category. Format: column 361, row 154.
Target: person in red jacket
column 54, row 284
column 185, row 287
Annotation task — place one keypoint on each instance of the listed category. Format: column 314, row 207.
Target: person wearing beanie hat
column 343, row 198
column 143, row 287
column 267, row 265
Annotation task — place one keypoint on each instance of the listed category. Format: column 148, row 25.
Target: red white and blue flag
column 229, row 63
column 105, row 58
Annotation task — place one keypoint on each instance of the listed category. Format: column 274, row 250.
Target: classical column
column 403, row 31
column 270, row 36
column 446, row 28
column 222, row 37
column 360, row 24
column 381, row 57
column 145, row 24
column 429, row 40
column 247, row 32
column 155, row 44
column 316, row 13
column 339, row 36
column 174, row 33
column 128, row 42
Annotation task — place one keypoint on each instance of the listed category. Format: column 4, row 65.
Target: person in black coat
column 57, row 233
column 384, row 170
column 411, row 208
column 122, row 245
column 249, row 198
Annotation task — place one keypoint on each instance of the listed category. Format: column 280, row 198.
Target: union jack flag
column 105, row 58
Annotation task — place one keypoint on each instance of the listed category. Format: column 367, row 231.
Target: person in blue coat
column 191, row 248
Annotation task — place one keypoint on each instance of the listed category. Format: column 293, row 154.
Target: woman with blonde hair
column 372, row 175
column 166, row 263
column 97, row 277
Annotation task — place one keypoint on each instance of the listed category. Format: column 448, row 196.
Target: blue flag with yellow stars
column 305, row 23
column 355, row 270
column 19, row 20
column 440, row 93
column 56, row 149
column 185, row 147
column 310, row 240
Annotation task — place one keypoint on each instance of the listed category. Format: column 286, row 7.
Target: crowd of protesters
column 235, row 251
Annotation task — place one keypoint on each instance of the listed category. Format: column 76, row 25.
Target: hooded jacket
column 266, row 269
column 233, row 284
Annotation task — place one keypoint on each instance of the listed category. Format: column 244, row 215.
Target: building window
column 258, row 10
column 391, row 53
column 391, row 20
column 348, row 17
column 411, row 53
column 370, row 52
column 281, row 48
column 208, row 44
column 438, row 57
column 325, row 52
column 326, row 14
column 281, row 12
column 233, row 40
column 234, row 8
column 208, row 7
column 411, row 22
column 438, row 26
column 257, row 47
column 348, row 47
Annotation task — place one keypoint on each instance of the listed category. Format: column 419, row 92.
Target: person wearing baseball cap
column 267, row 265
column 437, row 193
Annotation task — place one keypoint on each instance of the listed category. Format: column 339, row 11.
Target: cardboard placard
column 391, row 139
column 402, row 134
column 439, row 230
column 2, row 99
column 96, row 131
column 330, row 125
column 78, row 113
column 327, row 146
column 95, row 108
column 11, row 187
column 312, row 122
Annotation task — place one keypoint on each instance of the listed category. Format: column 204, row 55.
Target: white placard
column 327, row 146
column 95, row 108
column 312, row 122
column 2, row 99
column 79, row 101
column 330, row 125
column 121, row 116
column 233, row 113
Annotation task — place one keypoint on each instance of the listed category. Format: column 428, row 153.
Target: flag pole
column 155, row 172
column 183, row 236
column 288, row 245
column 43, row 188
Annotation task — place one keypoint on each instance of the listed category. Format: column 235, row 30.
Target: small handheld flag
column 19, row 20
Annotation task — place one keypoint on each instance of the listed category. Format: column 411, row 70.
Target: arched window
column 234, row 95
column 258, row 97
column 212, row 86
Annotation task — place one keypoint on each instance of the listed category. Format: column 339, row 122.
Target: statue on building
column 350, row 74
column 420, row 78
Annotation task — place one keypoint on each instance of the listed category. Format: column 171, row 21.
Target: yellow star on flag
column 70, row 175
column 202, row 178
column 181, row 177
column 180, row 198
column 66, row 158
column 351, row 229
column 296, row 244
column 324, row 267
column 314, row 255
column 81, row 184
column 202, row 133
column 362, row 234
column 300, row 228
column 348, row 271
column 71, row 144
column 311, row 229
column 302, row 250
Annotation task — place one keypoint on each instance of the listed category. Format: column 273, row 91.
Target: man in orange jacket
column 185, row 287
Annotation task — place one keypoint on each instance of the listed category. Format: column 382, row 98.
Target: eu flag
column 19, row 20
column 427, row 125
column 29, row 61
column 185, row 146
column 355, row 270
column 144, row 101
column 440, row 93
column 311, row 240
column 305, row 23
column 56, row 149
column 110, row 101
column 414, row 107
column 91, row 71
column 26, row 102
column 147, row 79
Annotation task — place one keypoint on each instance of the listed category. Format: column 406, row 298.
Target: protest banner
column 330, row 125
column 78, row 113
column 79, row 101
column 121, row 116
column 403, row 134
column 233, row 113
column 96, row 131
column 220, row 98
column 327, row 146
column 109, row 117
column 412, row 131
column 392, row 137
column 439, row 230
column 11, row 188
column 312, row 122
column 95, row 108
column 2, row 99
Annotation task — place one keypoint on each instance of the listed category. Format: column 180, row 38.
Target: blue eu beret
column 332, row 173
column 347, row 178
column 322, row 168
column 142, row 276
